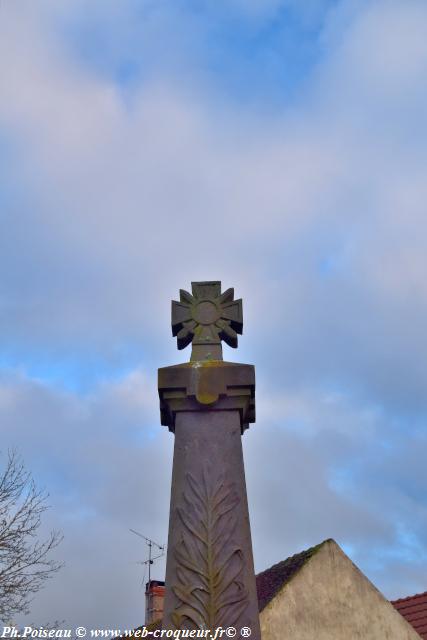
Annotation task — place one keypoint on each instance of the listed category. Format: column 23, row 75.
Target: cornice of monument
column 210, row 384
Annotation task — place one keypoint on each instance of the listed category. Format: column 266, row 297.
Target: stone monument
column 208, row 403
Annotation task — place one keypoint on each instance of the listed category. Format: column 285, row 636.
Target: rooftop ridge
column 416, row 595
column 271, row 580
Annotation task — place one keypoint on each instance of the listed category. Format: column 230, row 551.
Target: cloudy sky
column 278, row 146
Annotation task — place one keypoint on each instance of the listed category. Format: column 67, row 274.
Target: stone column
column 208, row 403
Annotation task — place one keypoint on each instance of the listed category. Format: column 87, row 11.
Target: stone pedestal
column 210, row 580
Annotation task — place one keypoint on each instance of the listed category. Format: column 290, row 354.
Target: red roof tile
column 414, row 610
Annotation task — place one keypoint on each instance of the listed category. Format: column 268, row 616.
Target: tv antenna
column 150, row 543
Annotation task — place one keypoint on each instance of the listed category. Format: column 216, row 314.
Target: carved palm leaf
column 209, row 563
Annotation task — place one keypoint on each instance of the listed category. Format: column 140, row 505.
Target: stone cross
column 208, row 403
column 205, row 318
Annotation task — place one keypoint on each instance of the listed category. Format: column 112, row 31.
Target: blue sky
column 278, row 148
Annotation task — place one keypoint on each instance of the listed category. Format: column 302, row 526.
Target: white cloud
column 382, row 52
column 106, row 463
column 314, row 214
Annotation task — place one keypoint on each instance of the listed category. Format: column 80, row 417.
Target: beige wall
column 330, row 599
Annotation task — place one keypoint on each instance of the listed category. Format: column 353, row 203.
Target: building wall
column 330, row 599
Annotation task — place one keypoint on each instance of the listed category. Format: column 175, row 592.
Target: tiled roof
column 270, row 581
column 414, row 610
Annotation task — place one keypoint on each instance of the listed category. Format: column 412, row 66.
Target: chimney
column 154, row 599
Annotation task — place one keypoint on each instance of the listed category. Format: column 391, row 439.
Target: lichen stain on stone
column 204, row 382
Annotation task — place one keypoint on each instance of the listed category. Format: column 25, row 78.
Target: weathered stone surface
column 208, row 403
column 197, row 386
column 206, row 317
column 210, row 578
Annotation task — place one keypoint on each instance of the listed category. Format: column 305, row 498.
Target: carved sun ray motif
column 206, row 316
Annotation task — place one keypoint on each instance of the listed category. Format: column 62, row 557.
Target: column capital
column 212, row 385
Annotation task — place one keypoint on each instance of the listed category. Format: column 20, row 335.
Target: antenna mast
column 150, row 543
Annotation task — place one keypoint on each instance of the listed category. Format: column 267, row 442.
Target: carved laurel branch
column 209, row 563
